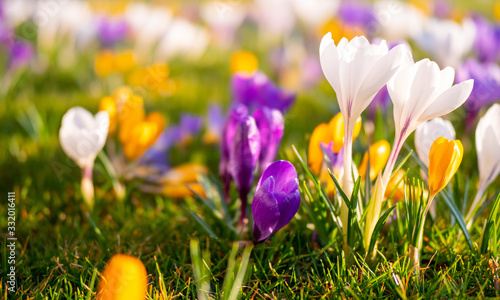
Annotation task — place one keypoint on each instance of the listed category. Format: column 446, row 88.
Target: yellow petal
column 379, row 153
column 244, row 61
column 321, row 133
column 123, row 278
column 104, row 63
column 108, row 104
column 183, row 190
column 184, row 173
column 445, row 157
column 396, row 185
column 337, row 128
column 124, row 61
column 140, row 136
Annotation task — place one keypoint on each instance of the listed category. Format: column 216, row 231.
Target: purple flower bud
column 271, row 126
column 276, row 200
column 244, row 155
column 238, row 112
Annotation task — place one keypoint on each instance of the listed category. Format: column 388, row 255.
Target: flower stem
column 87, row 186
column 244, row 201
column 347, row 183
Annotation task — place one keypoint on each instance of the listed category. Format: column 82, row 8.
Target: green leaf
column 378, row 227
column 229, row 277
column 204, row 225
column 489, row 224
column 458, row 216
column 238, row 282
column 401, row 163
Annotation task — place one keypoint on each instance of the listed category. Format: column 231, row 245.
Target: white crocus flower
column 447, row 41
column 420, row 92
column 427, row 133
column 398, row 20
column 82, row 136
column 488, row 152
column 315, row 12
column 356, row 70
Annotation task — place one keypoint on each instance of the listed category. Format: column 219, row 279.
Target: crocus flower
column 447, row 41
column 419, row 91
column 276, row 200
column 140, row 136
column 378, row 153
column 256, row 90
column 355, row 13
column 244, row 62
column 428, row 132
column 111, row 30
column 243, row 157
column 271, row 127
column 315, row 12
column 445, row 157
column 397, row 20
column 20, row 54
column 124, row 277
column 82, row 136
column 224, row 19
column 486, row 85
column 487, row 148
column 331, row 134
column 214, row 125
column 356, row 70
column 238, row 112
column 487, row 43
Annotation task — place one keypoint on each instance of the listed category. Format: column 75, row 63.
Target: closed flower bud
column 444, row 159
column 124, row 278
column 276, row 200
column 379, row 153
column 336, row 125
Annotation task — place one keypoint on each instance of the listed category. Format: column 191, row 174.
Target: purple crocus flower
column 358, row 14
column 243, row 157
column 271, row 126
column 276, row 200
column 487, row 43
column 20, row 54
column 238, row 112
column 111, row 30
column 335, row 160
column 257, row 90
column 215, row 125
column 486, row 88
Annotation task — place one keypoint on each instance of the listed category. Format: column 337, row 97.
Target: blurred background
column 179, row 56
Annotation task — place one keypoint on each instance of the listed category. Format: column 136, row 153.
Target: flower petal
column 282, row 171
column 448, row 101
column 265, row 211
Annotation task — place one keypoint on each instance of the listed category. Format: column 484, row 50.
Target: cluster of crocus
column 252, row 132
column 420, row 91
column 136, row 131
column 82, row 136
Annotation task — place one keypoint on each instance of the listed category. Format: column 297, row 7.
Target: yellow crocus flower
column 244, row 61
column 104, row 63
column 141, row 135
column 337, row 128
column 379, row 153
column 109, row 104
column 123, row 278
column 445, row 157
column 124, row 61
column 320, row 134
